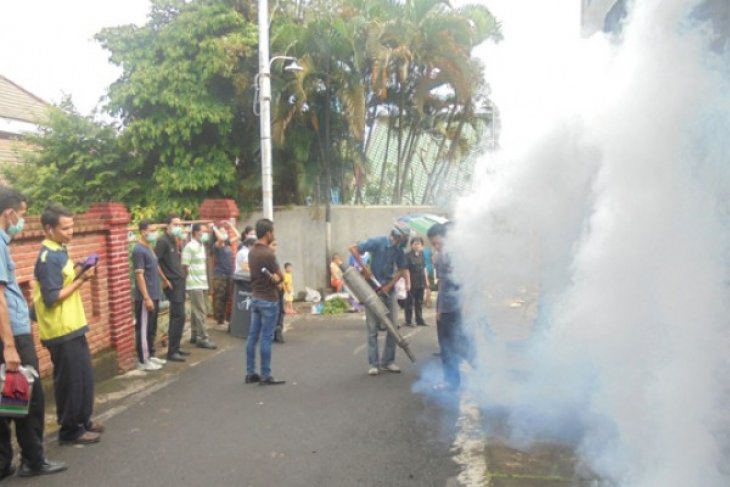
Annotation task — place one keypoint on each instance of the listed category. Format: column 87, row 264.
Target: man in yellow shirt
column 63, row 326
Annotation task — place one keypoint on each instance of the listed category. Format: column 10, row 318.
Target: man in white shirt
column 242, row 255
column 194, row 264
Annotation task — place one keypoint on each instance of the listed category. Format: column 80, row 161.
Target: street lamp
column 263, row 84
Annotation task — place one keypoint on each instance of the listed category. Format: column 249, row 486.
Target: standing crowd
column 160, row 267
column 163, row 266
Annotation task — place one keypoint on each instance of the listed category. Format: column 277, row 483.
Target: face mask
column 151, row 237
column 205, row 238
column 177, row 232
column 17, row 227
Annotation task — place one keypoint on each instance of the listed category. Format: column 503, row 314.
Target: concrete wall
column 300, row 232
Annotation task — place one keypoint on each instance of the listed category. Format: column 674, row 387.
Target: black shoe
column 252, row 378
column 206, row 343
column 175, row 357
column 47, row 468
column 423, row 324
column 183, row 353
column 7, row 472
column 270, row 381
column 409, row 325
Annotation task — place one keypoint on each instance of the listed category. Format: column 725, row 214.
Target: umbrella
column 421, row 222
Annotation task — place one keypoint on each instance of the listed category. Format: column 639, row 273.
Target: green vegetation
column 184, row 126
column 335, row 306
column 79, row 161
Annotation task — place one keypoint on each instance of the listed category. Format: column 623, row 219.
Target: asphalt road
column 330, row 425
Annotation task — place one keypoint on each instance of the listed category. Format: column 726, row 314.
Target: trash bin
column 241, row 315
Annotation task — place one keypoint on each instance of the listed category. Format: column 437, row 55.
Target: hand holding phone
column 89, row 263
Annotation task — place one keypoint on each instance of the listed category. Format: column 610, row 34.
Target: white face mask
column 17, row 227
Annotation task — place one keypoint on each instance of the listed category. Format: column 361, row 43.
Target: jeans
column 454, row 348
column 264, row 317
column 372, row 326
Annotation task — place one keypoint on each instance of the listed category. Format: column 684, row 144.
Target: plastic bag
column 400, row 289
column 312, row 295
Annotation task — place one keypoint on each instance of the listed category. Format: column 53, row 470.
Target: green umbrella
column 421, row 222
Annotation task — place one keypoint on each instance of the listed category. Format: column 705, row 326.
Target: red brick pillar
column 217, row 210
column 121, row 319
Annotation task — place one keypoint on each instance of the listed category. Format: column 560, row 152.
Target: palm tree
column 422, row 72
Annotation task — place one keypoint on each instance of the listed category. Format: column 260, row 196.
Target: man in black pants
column 18, row 348
column 147, row 293
column 62, row 327
column 168, row 255
column 418, row 281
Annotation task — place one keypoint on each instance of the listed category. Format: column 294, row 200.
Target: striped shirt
column 193, row 256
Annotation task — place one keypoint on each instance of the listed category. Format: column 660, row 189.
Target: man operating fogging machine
column 388, row 264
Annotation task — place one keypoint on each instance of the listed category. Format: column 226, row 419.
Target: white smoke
column 607, row 206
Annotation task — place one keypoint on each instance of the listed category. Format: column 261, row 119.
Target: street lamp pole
column 264, row 79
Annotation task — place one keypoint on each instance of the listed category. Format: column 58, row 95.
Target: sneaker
column 391, row 368
column 158, row 361
column 373, row 371
column 147, row 366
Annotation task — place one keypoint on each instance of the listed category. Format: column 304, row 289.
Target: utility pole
column 264, row 79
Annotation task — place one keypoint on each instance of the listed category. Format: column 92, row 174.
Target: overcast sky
column 47, row 46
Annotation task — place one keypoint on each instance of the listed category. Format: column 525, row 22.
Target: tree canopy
column 184, row 126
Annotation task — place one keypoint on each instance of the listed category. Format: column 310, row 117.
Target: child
column 336, row 273
column 288, row 289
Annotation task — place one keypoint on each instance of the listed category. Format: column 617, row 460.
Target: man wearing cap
column 388, row 265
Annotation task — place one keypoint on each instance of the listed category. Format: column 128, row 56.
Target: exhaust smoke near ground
column 605, row 213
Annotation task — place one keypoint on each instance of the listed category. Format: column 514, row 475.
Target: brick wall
column 107, row 301
column 218, row 210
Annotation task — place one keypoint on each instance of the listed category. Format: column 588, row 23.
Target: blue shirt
column 385, row 257
column 17, row 305
column 448, row 290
